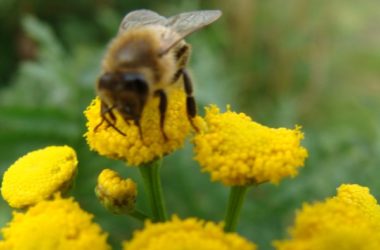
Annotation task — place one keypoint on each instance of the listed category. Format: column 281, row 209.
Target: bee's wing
column 140, row 18
column 186, row 23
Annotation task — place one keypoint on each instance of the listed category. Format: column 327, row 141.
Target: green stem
column 139, row 215
column 235, row 203
column 152, row 182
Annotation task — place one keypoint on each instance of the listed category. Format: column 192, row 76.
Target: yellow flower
column 186, row 234
column 116, row 194
column 349, row 221
column 238, row 151
column 108, row 142
column 38, row 175
column 57, row 224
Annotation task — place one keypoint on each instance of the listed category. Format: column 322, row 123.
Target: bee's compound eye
column 106, row 80
column 135, row 82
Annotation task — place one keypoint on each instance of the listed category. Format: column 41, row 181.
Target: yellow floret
column 116, row 194
column 349, row 221
column 237, row 151
column 38, row 175
column 186, row 234
column 58, row 224
column 108, row 142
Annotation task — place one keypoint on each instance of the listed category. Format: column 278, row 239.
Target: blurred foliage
column 314, row 63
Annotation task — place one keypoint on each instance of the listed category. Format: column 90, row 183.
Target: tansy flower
column 238, row 151
column 57, row 224
column 116, row 194
column 186, row 234
column 108, row 142
column 349, row 221
column 38, row 175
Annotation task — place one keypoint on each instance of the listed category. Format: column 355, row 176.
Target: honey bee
column 147, row 56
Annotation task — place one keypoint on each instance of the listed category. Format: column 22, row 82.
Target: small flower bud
column 116, row 194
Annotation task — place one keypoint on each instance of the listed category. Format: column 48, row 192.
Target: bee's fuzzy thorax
column 138, row 50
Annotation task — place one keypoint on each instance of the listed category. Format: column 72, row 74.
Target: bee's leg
column 103, row 111
column 100, row 123
column 112, row 125
column 137, row 124
column 177, row 75
column 162, row 106
column 182, row 56
column 191, row 106
column 108, row 110
column 112, row 115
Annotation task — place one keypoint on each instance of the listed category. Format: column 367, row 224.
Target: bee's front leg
column 138, row 125
column 104, row 110
column 162, row 107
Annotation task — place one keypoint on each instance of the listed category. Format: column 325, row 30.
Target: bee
column 147, row 56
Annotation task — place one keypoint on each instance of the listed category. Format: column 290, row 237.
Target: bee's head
column 126, row 92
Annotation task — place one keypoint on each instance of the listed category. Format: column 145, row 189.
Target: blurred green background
column 315, row 63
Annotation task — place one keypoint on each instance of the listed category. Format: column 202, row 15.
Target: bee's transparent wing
column 179, row 26
column 186, row 23
column 140, row 18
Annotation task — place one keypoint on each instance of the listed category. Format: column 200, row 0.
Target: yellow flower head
column 57, row 224
column 186, row 234
column 108, row 142
column 237, row 151
column 38, row 175
column 348, row 221
column 116, row 194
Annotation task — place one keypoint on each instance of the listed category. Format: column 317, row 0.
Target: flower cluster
column 186, row 234
column 238, row 151
column 349, row 221
column 230, row 146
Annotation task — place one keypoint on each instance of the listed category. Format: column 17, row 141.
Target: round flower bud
column 116, row 194
column 38, row 175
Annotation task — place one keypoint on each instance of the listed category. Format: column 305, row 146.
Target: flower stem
column 139, row 215
column 152, row 182
column 235, row 203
